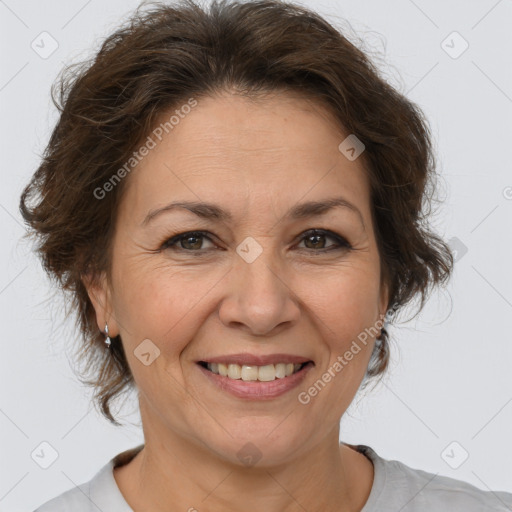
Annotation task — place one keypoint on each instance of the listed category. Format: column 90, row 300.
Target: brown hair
column 167, row 54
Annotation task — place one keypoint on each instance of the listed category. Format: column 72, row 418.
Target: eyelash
column 170, row 243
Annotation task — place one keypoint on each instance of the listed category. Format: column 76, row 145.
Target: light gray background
column 450, row 377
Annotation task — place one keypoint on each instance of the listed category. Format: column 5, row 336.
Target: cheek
column 346, row 315
column 163, row 306
column 346, row 301
column 160, row 303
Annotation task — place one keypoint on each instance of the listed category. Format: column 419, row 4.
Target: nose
column 259, row 298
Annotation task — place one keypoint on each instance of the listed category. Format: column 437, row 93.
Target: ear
column 99, row 292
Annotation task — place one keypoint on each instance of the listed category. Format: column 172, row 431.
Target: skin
column 256, row 159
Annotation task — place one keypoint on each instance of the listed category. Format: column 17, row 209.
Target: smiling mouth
column 264, row 373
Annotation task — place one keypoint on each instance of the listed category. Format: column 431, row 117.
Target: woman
column 234, row 198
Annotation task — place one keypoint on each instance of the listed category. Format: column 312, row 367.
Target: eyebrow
column 214, row 212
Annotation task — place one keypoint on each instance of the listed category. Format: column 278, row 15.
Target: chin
column 262, row 445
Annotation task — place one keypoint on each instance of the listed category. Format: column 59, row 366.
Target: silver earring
column 107, row 341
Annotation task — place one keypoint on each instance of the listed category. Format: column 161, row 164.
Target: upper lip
column 255, row 360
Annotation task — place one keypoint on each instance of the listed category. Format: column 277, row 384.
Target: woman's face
column 255, row 283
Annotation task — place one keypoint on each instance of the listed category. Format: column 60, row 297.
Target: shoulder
column 76, row 499
column 99, row 493
column 83, row 497
column 422, row 490
column 400, row 487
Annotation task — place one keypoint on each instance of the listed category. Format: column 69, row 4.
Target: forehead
column 252, row 154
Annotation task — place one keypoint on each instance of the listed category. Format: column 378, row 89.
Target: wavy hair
column 165, row 54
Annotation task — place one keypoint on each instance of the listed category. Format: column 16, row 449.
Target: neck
column 173, row 472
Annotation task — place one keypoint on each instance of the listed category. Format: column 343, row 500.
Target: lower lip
column 254, row 389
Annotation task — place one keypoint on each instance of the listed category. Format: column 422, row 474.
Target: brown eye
column 316, row 240
column 191, row 241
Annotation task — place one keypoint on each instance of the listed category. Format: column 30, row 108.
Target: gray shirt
column 396, row 488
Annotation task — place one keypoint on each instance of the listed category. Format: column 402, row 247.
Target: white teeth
column 264, row 373
column 234, row 371
column 222, row 369
column 280, row 371
column 250, row 372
